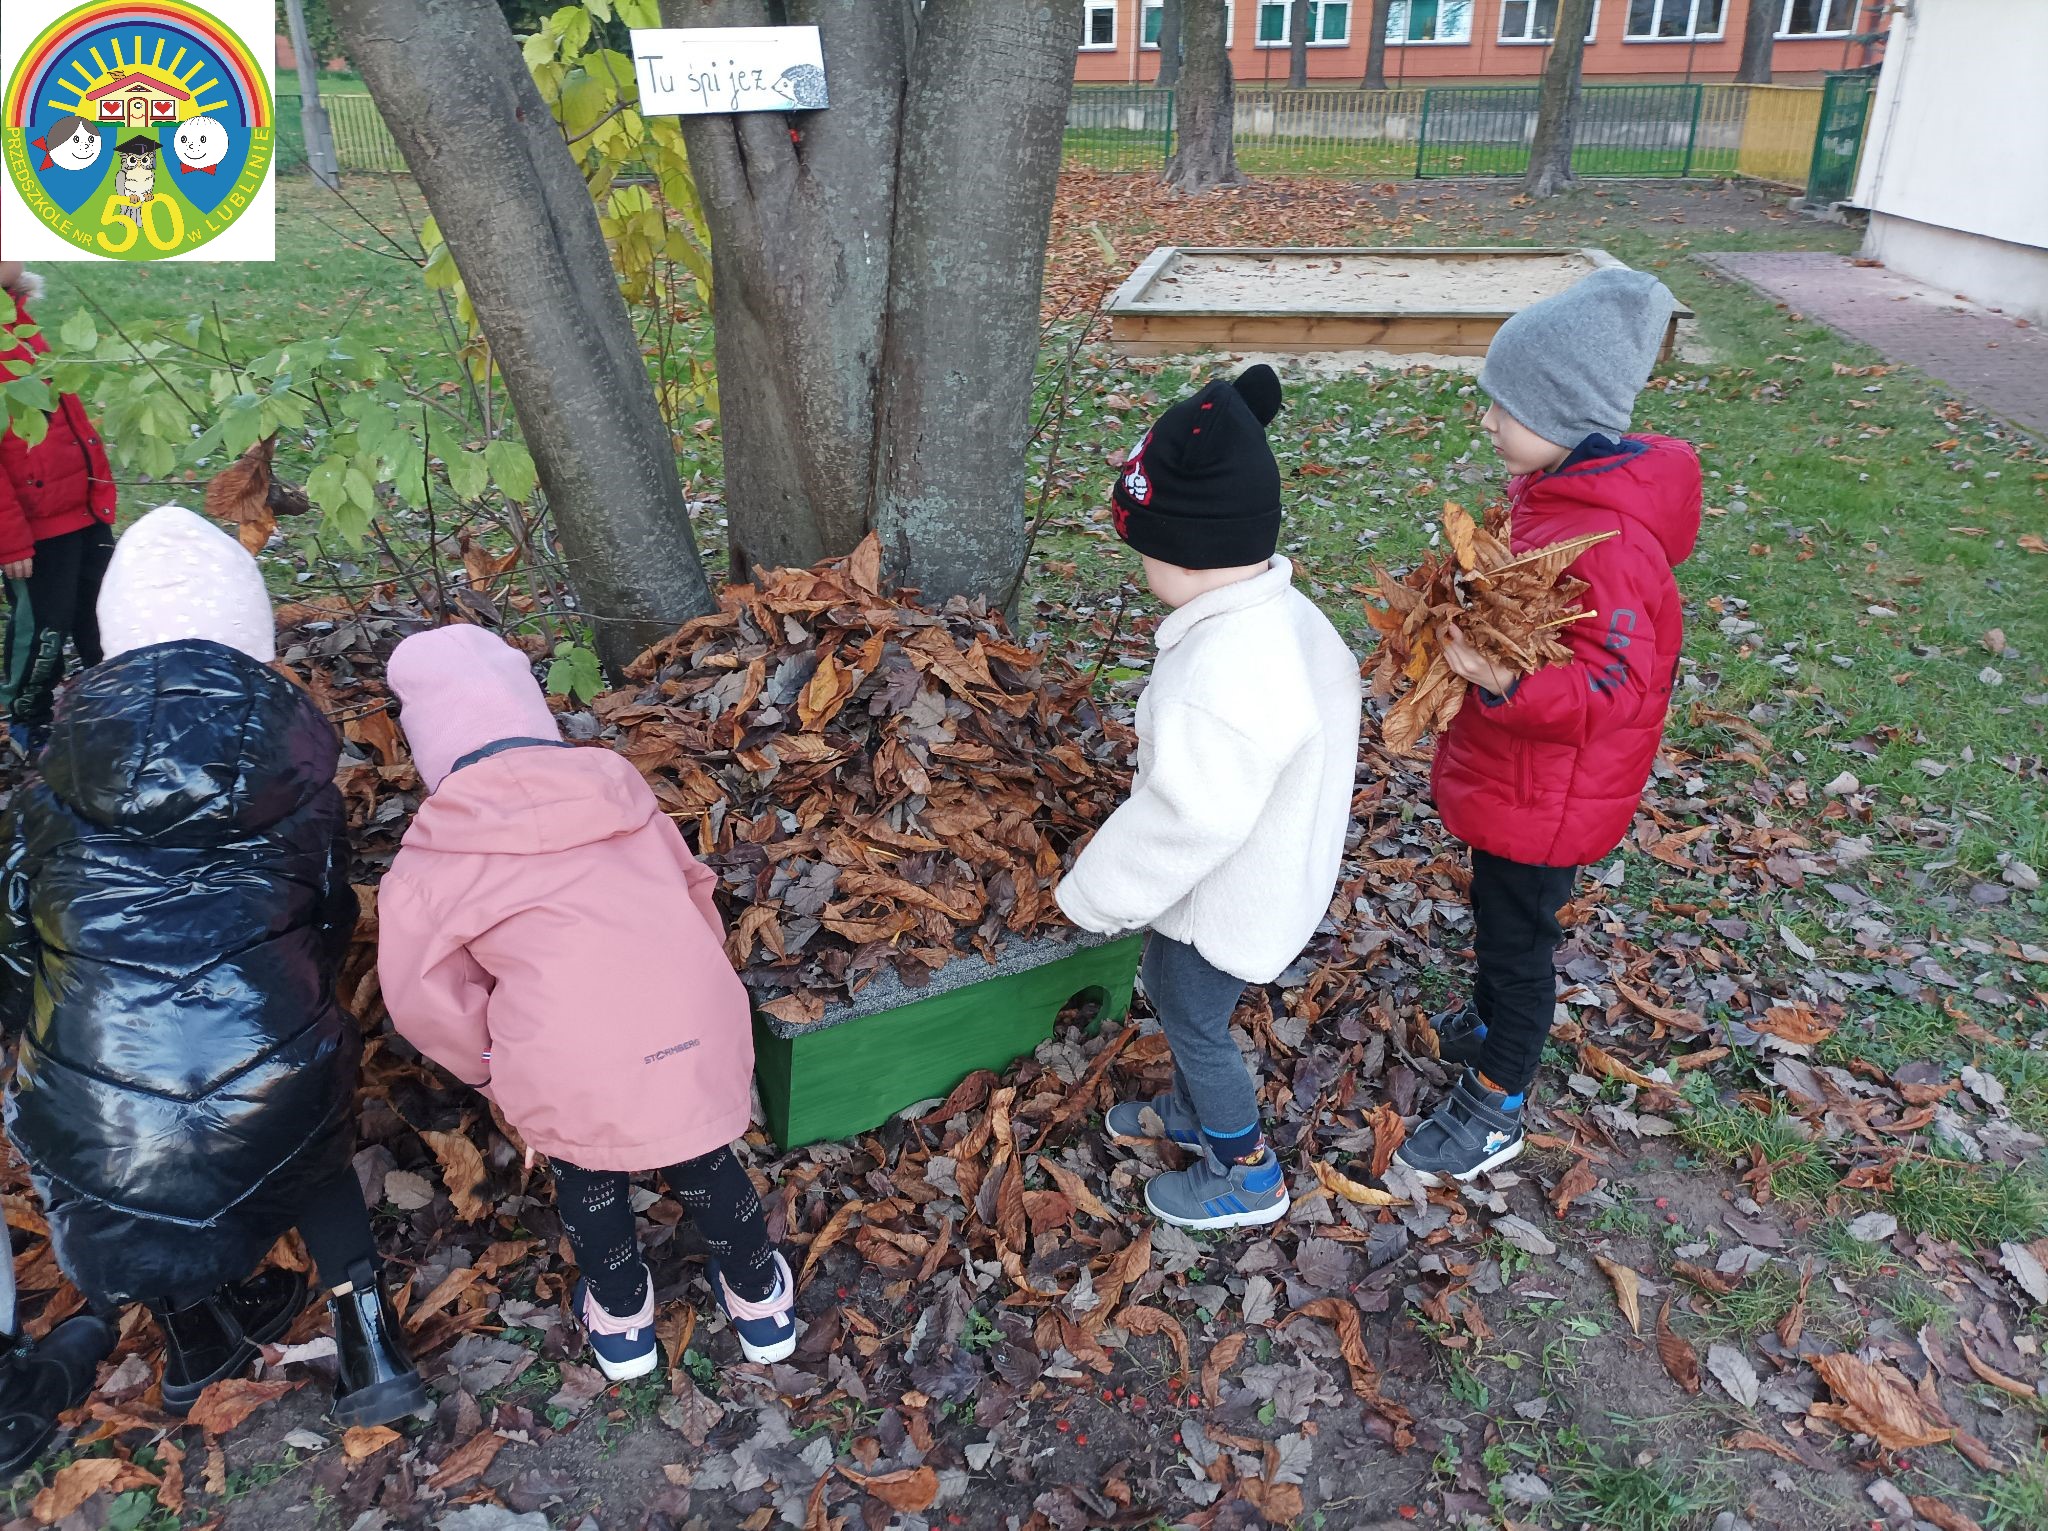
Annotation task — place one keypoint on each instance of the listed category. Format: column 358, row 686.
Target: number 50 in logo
column 137, row 129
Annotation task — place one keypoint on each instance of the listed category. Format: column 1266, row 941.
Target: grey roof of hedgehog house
column 887, row 991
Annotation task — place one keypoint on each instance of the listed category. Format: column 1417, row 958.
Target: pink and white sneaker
column 623, row 1345
column 766, row 1329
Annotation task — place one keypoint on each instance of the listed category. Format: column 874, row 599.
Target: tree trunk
column 966, row 270
column 1759, row 40
column 876, row 276
column 1205, row 109
column 1169, row 42
column 1557, row 110
column 1376, row 46
column 449, row 80
column 1297, row 45
column 319, row 132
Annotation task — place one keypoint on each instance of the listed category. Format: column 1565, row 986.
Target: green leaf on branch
column 468, row 474
column 574, row 672
column 511, row 467
column 79, row 333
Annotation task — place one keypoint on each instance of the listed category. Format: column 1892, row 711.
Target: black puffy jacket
column 178, row 906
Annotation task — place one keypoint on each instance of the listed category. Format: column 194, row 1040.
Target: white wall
column 1959, row 128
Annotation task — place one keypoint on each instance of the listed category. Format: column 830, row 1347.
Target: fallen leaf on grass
column 1677, row 1356
column 1878, row 1401
column 1998, row 1379
column 1356, row 1192
column 834, row 1230
column 1577, row 1181
column 366, row 1441
column 472, row 1459
column 1076, row 1189
column 1627, row 1291
column 462, row 1171
column 1341, row 1313
column 1143, row 1320
column 911, row 1491
column 1222, row 1356
column 1756, row 1440
column 78, row 1481
column 225, row 1404
column 1935, row 1513
column 2025, row 1267
column 1732, row 1370
column 1280, row 1504
column 1600, row 1062
column 1795, row 1023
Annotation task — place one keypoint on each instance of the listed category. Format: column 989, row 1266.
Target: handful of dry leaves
column 1509, row 606
column 875, row 783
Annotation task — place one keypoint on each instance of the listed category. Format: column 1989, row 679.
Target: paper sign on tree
column 692, row 71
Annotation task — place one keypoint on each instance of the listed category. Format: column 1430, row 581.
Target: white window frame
column 1785, row 34
column 1315, row 24
column 1399, row 11
column 1088, row 12
column 1501, row 32
column 1149, row 7
column 1692, row 20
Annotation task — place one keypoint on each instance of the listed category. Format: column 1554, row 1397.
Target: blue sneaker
column 624, row 1347
column 1473, row 1131
column 1163, row 1116
column 766, row 1329
column 1212, row 1194
column 1459, row 1035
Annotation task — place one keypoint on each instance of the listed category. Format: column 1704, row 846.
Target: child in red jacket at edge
column 56, row 531
column 1541, row 774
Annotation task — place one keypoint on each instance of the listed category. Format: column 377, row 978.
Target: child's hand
column 1466, row 661
column 21, row 568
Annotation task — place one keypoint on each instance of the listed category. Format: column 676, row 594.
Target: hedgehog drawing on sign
column 803, row 86
column 135, row 181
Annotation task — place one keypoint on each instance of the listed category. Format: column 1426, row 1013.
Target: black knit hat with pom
column 1202, row 490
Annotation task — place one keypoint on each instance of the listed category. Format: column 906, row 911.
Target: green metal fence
column 1476, row 130
column 1844, row 110
column 1623, row 130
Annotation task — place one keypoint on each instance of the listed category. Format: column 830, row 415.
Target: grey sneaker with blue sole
column 1473, row 1131
column 1163, row 1116
column 1212, row 1194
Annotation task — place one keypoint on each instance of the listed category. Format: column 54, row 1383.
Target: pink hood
column 460, row 688
column 546, row 935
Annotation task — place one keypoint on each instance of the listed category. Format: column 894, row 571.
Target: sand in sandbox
column 1339, row 284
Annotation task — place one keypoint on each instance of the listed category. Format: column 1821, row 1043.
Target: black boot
column 377, row 1382
column 39, row 1381
column 265, row 1305
column 202, row 1344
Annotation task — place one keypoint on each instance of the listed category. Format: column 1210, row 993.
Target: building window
column 1429, row 21
column 1658, row 21
column 1818, row 18
column 1098, row 24
column 1535, row 21
column 1155, row 16
column 1329, row 23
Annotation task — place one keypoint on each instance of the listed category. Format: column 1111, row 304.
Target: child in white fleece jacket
column 1229, row 845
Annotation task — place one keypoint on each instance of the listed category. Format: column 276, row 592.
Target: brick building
column 1445, row 42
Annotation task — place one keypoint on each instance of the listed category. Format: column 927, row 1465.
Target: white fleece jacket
column 1233, row 834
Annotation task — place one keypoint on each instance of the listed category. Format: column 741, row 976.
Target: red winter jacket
column 1551, row 774
column 61, row 483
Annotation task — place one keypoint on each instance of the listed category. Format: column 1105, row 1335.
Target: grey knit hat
column 1571, row 366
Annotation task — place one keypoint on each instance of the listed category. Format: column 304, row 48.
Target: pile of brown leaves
column 1510, row 606
column 876, row 783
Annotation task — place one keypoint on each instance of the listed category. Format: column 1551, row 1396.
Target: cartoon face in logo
column 71, row 143
column 200, row 145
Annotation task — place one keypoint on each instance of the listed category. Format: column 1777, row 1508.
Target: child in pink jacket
column 546, row 936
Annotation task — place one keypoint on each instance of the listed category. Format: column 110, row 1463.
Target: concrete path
column 1997, row 363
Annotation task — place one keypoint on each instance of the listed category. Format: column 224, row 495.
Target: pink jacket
column 546, row 935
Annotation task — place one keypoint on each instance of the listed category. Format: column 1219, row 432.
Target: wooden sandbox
column 1444, row 301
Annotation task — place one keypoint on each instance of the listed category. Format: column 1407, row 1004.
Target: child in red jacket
column 56, row 531
column 1541, row 774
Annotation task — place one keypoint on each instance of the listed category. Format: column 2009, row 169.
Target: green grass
column 1968, row 1204
column 2018, row 1500
column 1737, row 1135
column 1621, row 1492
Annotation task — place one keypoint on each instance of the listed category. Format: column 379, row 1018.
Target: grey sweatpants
column 1194, row 1001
